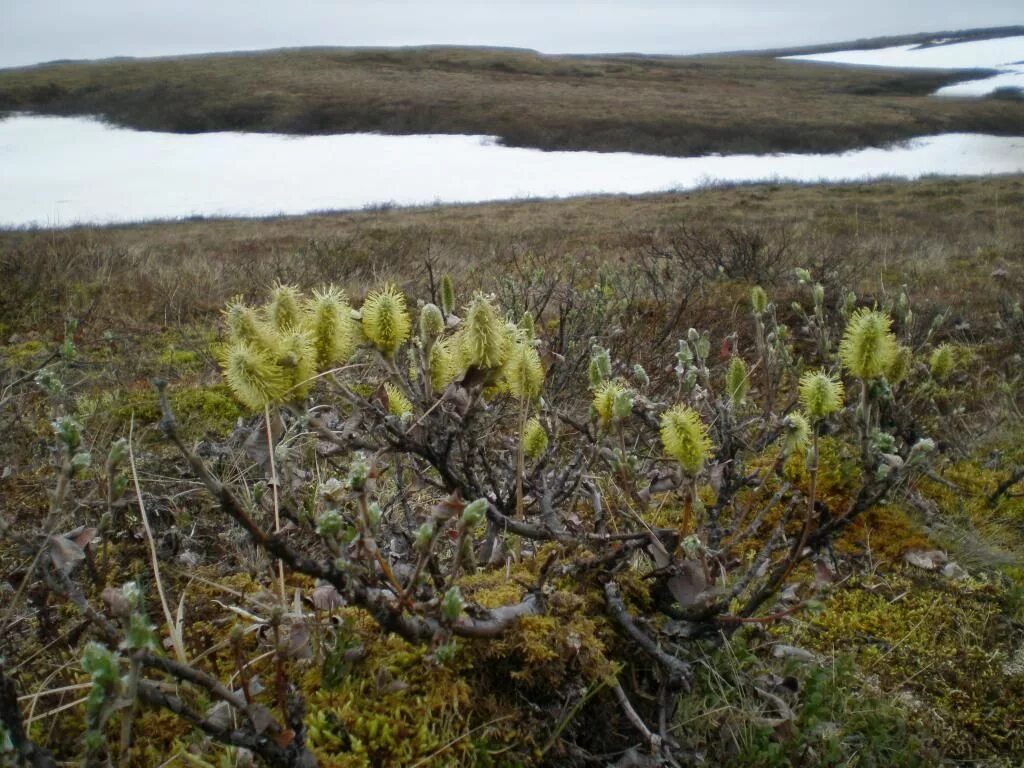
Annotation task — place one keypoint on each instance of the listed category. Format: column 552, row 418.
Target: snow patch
column 61, row 171
column 1004, row 54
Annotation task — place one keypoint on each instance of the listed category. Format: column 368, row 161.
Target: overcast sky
column 32, row 31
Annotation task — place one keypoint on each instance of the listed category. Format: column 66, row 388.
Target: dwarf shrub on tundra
column 411, row 461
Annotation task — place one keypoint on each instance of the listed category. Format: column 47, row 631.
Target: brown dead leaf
column 688, row 584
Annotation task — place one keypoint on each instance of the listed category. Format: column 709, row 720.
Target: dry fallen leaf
column 688, row 584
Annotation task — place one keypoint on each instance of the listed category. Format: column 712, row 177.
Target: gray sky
column 32, row 31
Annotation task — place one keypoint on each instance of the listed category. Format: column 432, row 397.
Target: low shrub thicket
column 465, row 529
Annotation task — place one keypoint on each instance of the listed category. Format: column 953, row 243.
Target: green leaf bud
column 819, row 295
column 117, row 454
column 684, row 357
column 640, row 374
column 452, row 605
column 622, row 405
column 474, row 513
column 703, row 346
column 80, row 462
column 527, row 325
column 330, row 523
column 424, row 537
column 358, row 473
column 120, row 485
column 921, row 453
column 600, row 368
column 68, row 431
column 141, row 635
column 758, row 300
column 373, row 515
column 332, row 491
column 101, row 664
column 796, row 434
column 48, row 380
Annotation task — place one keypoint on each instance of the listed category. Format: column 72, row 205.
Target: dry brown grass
column 944, row 238
column 662, row 105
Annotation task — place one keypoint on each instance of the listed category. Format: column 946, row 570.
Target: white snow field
column 1005, row 54
column 56, row 172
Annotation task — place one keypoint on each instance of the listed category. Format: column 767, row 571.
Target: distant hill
column 919, row 38
column 665, row 105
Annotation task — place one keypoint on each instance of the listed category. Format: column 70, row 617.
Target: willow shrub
column 409, row 450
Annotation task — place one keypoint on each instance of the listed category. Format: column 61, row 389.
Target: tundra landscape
column 699, row 444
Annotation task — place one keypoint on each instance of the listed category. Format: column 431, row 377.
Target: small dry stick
column 277, row 511
column 173, row 628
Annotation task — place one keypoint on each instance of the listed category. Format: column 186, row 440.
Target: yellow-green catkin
column 796, row 434
column 605, row 396
column 942, row 362
column 868, row 345
column 443, row 364
column 431, row 324
column 684, row 437
column 398, row 404
column 737, row 381
column 820, row 394
column 285, row 307
column 330, row 325
column 527, row 325
column 899, row 368
column 253, row 375
column 758, row 299
column 298, row 362
column 245, row 325
column 386, row 322
column 483, row 340
column 523, row 374
column 447, row 295
column 535, row 439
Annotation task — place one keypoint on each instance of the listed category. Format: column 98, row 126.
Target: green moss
column 210, row 410
column 938, row 644
column 886, row 532
column 203, row 410
column 838, row 471
column 180, row 360
column 397, row 706
column 19, row 355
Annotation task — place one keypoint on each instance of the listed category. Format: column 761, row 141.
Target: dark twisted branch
column 28, row 752
column 679, row 671
column 292, row 755
column 1015, row 477
column 386, row 608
